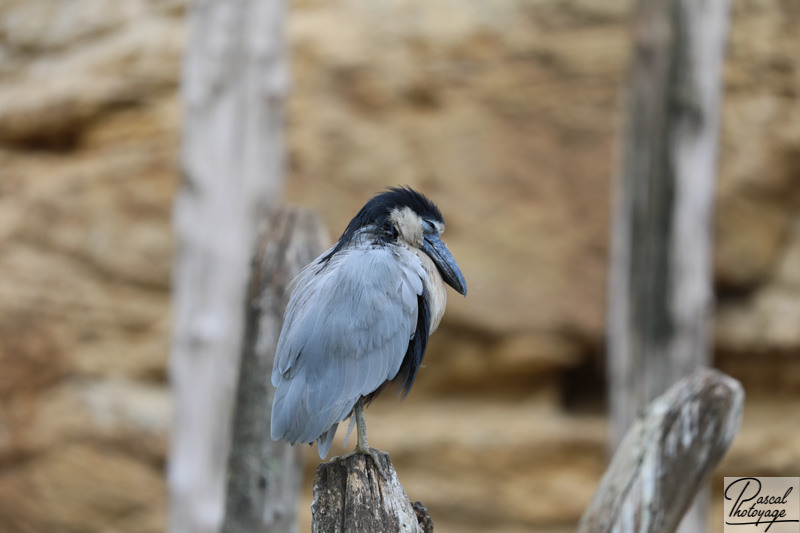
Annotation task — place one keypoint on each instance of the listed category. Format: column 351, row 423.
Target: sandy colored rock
column 78, row 487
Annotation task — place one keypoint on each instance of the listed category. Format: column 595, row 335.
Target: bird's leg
column 362, row 447
column 361, row 428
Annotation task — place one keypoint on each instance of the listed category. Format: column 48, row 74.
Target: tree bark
column 263, row 475
column 660, row 291
column 234, row 83
column 666, row 456
column 351, row 496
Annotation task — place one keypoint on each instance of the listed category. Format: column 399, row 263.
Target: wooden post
column 263, row 475
column 235, row 79
column 351, row 496
column 666, row 456
column 660, row 291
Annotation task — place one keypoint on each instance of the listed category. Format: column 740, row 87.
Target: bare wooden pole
column 661, row 263
column 263, row 475
column 351, row 495
column 235, row 79
column 666, row 456
column 660, row 291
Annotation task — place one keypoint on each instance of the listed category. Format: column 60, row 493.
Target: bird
column 358, row 319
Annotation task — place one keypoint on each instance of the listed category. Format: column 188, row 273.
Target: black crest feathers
column 376, row 212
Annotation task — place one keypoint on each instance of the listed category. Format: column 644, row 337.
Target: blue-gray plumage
column 359, row 318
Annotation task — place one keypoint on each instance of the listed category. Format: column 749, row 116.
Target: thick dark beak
column 445, row 262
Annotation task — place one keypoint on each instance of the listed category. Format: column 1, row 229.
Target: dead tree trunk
column 351, row 496
column 263, row 475
column 666, row 456
column 234, row 83
column 660, row 282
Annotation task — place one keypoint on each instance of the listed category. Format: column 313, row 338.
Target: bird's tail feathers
column 325, row 440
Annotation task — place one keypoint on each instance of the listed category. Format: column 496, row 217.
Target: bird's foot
column 374, row 453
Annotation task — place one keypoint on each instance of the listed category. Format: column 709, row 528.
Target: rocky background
column 504, row 112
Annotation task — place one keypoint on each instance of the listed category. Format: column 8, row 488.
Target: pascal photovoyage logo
column 762, row 504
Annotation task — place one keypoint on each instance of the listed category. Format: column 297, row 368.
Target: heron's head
column 403, row 216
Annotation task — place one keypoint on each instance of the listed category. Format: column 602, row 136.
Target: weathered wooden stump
column 667, row 455
column 264, row 476
column 351, row 496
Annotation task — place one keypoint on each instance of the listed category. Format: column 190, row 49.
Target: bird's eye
column 427, row 228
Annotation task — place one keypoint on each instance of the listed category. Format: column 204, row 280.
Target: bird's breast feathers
column 434, row 288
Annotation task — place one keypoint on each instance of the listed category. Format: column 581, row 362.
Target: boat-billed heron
column 359, row 317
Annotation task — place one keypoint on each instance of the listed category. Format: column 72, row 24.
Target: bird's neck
column 435, row 288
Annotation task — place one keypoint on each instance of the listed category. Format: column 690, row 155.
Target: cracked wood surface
column 665, row 457
column 351, row 496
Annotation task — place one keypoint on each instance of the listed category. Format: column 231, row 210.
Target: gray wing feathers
column 345, row 332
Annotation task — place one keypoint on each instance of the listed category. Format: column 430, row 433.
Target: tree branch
column 666, row 455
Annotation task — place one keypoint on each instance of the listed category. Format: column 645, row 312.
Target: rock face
column 503, row 112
